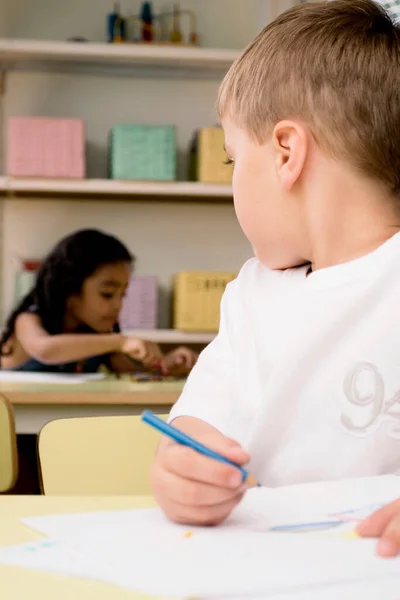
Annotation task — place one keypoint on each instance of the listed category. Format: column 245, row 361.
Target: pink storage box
column 140, row 308
column 51, row 148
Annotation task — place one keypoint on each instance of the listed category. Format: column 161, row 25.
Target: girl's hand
column 179, row 361
column 385, row 525
column 143, row 351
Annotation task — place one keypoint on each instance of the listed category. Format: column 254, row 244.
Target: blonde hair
column 335, row 66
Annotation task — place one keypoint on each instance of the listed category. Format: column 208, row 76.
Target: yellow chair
column 8, row 446
column 97, row 456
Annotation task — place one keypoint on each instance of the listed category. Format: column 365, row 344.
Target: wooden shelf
column 19, row 54
column 106, row 188
column 172, row 336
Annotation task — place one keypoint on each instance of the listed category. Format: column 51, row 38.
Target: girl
column 69, row 321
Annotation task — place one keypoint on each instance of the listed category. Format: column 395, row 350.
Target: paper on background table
column 30, row 377
column 126, row 548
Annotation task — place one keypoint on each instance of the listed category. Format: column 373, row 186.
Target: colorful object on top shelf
column 143, row 152
column 140, row 308
column 115, row 25
column 208, row 157
column 147, row 27
column 41, row 147
column 197, row 299
column 147, row 22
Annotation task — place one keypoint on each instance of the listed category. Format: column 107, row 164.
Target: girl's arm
column 69, row 347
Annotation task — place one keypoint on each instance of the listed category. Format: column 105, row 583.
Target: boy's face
column 264, row 210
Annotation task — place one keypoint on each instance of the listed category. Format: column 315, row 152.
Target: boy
column 304, row 374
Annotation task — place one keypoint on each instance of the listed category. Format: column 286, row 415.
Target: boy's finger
column 189, row 493
column 201, row 515
column 376, row 524
column 229, row 448
column 215, row 440
column 189, row 464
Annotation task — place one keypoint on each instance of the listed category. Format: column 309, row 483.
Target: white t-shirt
column 305, row 371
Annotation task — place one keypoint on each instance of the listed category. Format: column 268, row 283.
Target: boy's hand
column 384, row 524
column 195, row 489
column 179, row 361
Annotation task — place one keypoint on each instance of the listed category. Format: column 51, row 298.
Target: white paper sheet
column 227, row 561
column 34, row 377
column 224, row 566
column 49, row 555
column 261, row 508
column 380, row 589
column 239, row 558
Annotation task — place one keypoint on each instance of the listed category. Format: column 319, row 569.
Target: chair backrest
column 97, row 456
column 8, row 446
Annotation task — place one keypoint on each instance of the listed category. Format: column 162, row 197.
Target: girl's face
column 100, row 301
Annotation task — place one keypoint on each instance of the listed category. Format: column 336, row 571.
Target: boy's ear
column 290, row 145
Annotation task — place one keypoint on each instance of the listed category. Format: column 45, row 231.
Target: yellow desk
column 37, row 403
column 21, row 584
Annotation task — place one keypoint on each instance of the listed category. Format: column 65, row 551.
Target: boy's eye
column 228, row 161
column 106, row 295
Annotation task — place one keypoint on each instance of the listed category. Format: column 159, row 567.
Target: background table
column 37, row 403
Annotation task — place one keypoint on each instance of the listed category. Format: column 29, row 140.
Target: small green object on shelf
column 143, row 152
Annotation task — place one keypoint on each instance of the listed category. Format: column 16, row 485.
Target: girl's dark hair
column 61, row 275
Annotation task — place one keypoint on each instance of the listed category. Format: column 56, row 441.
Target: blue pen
column 180, row 437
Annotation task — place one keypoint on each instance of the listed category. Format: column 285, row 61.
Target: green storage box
column 144, row 152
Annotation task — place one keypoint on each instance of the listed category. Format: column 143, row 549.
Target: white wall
column 166, row 237
column 4, row 17
column 221, row 23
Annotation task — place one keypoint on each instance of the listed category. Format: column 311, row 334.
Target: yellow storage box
column 209, row 157
column 197, row 299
